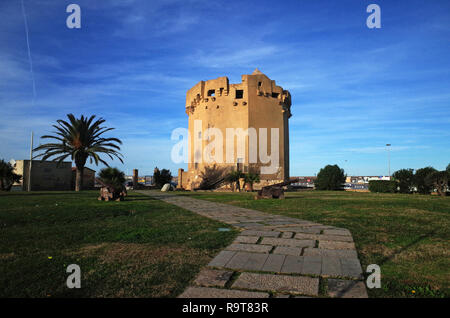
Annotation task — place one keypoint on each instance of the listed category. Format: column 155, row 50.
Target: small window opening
column 212, row 92
column 259, row 84
column 239, row 93
column 275, row 95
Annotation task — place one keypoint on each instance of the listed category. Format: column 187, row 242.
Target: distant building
column 45, row 175
column 352, row 183
column 48, row 175
column 304, row 182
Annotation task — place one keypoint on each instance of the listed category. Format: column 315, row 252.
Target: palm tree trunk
column 79, row 179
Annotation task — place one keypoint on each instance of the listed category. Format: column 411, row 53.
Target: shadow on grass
column 28, row 194
column 404, row 248
column 397, row 252
column 138, row 198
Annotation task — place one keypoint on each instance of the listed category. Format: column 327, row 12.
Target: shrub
column 233, row 179
column 161, row 177
column 420, row 180
column 330, row 178
column 439, row 181
column 212, row 177
column 112, row 177
column 383, row 186
column 251, row 177
column 405, row 178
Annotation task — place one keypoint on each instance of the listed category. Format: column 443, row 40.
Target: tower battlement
column 213, row 92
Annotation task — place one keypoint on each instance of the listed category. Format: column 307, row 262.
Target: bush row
column 383, row 186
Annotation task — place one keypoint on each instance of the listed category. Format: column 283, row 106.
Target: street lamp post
column 389, row 160
column 29, row 166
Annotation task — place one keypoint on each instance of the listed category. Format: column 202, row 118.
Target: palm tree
column 112, row 177
column 233, row 179
column 80, row 138
column 250, row 178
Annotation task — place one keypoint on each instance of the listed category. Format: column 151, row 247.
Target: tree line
column 424, row 180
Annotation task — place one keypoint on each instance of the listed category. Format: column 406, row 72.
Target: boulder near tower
column 256, row 104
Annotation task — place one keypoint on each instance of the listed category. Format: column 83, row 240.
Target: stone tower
column 254, row 104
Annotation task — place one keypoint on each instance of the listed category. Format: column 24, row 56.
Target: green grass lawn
column 407, row 235
column 140, row 247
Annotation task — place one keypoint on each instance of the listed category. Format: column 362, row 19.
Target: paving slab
column 213, row 277
column 337, row 232
column 279, row 283
column 273, row 263
column 246, row 239
column 287, row 242
column 334, row 245
column 351, row 267
column 323, row 237
column 300, row 230
column 312, row 265
column 292, row 265
column 238, row 261
column 222, row 258
column 329, row 253
column 248, row 225
column 331, row 266
column 204, row 292
column 249, row 248
column 346, row 288
column 287, row 234
column 260, row 233
column 255, row 261
column 285, row 250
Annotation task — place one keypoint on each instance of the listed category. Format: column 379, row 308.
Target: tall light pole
column 389, row 160
column 31, row 162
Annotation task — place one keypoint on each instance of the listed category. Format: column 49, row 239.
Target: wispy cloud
column 383, row 149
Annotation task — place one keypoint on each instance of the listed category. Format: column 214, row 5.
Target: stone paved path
column 274, row 256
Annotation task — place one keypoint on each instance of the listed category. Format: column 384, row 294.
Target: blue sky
column 354, row 89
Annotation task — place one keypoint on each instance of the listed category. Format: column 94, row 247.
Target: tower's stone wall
column 255, row 102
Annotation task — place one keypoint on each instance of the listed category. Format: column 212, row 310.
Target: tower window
column 239, row 93
column 211, row 92
column 259, row 84
column 275, row 95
